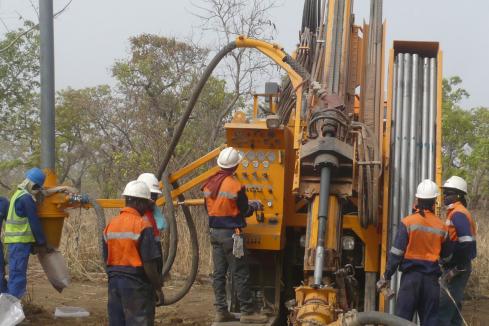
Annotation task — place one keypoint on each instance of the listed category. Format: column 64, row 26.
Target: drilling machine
column 319, row 160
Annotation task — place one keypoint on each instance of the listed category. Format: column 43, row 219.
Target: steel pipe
column 323, row 219
column 406, row 118
column 48, row 147
column 425, row 119
column 412, row 159
column 432, row 119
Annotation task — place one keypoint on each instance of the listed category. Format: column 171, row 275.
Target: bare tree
column 243, row 68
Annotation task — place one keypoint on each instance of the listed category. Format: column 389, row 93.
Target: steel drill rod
column 323, row 219
column 432, row 119
column 425, row 122
column 47, row 84
column 413, row 132
column 406, row 118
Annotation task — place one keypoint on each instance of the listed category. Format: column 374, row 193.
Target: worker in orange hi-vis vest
column 131, row 255
column 420, row 241
column 228, row 206
column 457, row 268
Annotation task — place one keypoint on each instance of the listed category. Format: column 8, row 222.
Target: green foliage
column 461, row 127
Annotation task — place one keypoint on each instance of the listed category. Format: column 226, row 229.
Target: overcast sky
column 91, row 34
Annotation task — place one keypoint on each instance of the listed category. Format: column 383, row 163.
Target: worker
column 131, row 257
column 420, row 241
column 23, row 232
column 227, row 206
column 154, row 215
column 3, row 215
column 457, row 268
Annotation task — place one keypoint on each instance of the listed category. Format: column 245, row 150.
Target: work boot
column 224, row 316
column 252, row 318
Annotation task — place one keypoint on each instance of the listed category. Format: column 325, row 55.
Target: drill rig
column 319, row 159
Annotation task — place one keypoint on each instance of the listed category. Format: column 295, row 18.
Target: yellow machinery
column 320, row 160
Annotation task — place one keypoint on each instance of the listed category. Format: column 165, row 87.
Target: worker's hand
column 160, row 298
column 447, row 277
column 382, row 283
column 256, row 205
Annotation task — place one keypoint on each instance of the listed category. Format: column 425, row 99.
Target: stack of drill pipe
column 413, row 135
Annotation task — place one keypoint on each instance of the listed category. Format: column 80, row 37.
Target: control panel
column 262, row 173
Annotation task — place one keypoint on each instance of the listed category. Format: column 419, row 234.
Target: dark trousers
column 447, row 313
column 3, row 281
column 131, row 303
column 222, row 255
column 418, row 293
column 18, row 259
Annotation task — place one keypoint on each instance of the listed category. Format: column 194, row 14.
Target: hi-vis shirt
column 418, row 245
column 230, row 207
column 462, row 232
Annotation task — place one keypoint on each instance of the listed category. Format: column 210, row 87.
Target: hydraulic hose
column 376, row 317
column 191, row 104
column 194, row 266
column 99, row 211
column 172, row 223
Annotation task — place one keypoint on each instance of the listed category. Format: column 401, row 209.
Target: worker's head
column 138, row 196
column 152, row 182
column 454, row 190
column 229, row 159
column 426, row 194
column 34, row 180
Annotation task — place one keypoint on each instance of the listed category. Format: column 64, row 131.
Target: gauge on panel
column 245, row 163
column 251, row 155
column 261, row 156
column 255, row 164
column 266, row 164
column 271, row 156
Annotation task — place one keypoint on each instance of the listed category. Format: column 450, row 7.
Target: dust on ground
column 39, row 304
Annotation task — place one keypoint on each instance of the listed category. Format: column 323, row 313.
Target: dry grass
column 80, row 246
column 478, row 286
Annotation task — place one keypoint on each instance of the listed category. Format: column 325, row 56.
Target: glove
column 382, row 283
column 447, row 277
column 160, row 298
column 256, row 205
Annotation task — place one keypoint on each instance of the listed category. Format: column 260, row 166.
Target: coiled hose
column 376, row 317
column 194, row 265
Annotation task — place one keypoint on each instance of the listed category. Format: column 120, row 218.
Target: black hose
column 376, row 317
column 194, row 266
column 191, row 103
column 172, row 223
column 99, row 211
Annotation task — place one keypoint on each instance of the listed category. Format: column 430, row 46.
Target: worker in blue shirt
column 3, row 216
column 23, row 232
column 458, row 266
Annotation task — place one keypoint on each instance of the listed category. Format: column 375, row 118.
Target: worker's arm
column 397, row 251
column 4, row 204
column 25, row 206
column 242, row 201
column 149, row 255
column 463, row 246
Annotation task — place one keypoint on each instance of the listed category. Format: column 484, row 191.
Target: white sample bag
column 55, row 268
column 67, row 312
column 11, row 312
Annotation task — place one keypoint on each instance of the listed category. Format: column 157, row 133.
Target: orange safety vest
column 122, row 238
column 426, row 235
column 457, row 207
column 224, row 205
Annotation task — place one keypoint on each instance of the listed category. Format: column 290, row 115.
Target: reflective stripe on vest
column 122, row 236
column 426, row 235
column 224, row 205
column 459, row 208
column 17, row 228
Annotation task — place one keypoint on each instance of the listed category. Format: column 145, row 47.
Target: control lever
column 260, row 217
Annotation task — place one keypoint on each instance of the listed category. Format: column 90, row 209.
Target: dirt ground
column 195, row 309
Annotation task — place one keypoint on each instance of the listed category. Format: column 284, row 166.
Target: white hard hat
column 151, row 181
column 229, row 158
column 427, row 189
column 137, row 189
column 455, row 182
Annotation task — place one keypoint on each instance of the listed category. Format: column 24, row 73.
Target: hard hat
column 229, row 158
column 151, row 181
column 455, row 182
column 137, row 189
column 427, row 189
column 36, row 175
